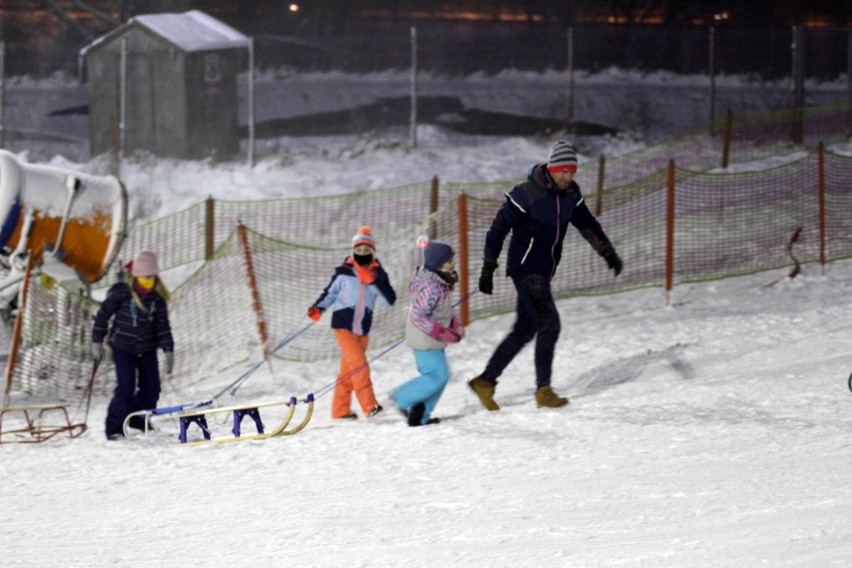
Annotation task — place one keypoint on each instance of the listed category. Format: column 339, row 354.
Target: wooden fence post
column 464, row 259
column 433, row 207
column 821, row 191
column 726, row 138
column 670, row 220
column 599, row 196
column 255, row 296
column 209, row 227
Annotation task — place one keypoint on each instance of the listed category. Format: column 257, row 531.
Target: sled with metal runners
column 195, row 414
column 33, row 429
column 181, row 409
column 252, row 411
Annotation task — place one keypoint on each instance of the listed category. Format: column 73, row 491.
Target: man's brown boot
column 546, row 397
column 484, row 389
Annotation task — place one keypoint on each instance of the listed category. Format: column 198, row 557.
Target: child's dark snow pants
column 132, row 371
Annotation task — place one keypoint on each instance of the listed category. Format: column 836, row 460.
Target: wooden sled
column 188, row 416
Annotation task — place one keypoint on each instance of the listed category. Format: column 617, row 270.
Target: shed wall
column 179, row 104
column 213, row 103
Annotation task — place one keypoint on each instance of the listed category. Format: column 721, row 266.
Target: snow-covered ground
column 711, row 430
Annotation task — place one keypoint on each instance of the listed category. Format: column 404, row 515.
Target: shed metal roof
column 190, row 31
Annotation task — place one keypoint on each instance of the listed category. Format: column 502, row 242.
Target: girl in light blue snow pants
column 428, row 387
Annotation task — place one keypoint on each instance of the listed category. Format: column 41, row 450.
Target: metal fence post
column 413, row 126
column 2, row 94
column 122, row 102
column 251, row 102
column 798, row 71
column 570, row 77
column 849, row 82
column 712, row 72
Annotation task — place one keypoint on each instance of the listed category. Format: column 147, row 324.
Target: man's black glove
column 613, row 261
column 486, row 276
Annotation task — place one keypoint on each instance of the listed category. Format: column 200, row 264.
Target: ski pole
column 89, row 389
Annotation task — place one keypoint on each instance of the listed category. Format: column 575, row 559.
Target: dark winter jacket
column 353, row 299
column 133, row 329
column 537, row 213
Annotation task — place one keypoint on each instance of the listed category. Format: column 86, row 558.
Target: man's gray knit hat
column 562, row 157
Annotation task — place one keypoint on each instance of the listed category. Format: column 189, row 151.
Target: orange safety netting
column 684, row 223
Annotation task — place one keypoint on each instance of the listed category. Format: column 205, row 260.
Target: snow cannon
column 62, row 219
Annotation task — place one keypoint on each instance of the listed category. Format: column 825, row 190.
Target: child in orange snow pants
column 352, row 294
column 354, row 375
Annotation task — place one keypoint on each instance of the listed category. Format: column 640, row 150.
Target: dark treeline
column 462, row 36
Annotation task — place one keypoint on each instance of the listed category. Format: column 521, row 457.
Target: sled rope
column 232, row 387
column 240, row 381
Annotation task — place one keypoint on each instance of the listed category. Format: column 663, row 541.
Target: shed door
column 156, row 112
column 141, row 99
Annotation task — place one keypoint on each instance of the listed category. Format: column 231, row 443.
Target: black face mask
column 362, row 259
column 449, row 277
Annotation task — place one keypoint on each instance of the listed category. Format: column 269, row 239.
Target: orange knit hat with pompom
column 364, row 237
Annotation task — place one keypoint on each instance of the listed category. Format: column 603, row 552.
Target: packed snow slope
column 709, row 431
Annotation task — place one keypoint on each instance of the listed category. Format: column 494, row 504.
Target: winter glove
column 613, row 261
column 314, row 313
column 442, row 333
column 379, row 274
column 97, row 351
column 170, row 361
column 486, row 276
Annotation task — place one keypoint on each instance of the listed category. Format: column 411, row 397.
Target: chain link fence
column 474, row 77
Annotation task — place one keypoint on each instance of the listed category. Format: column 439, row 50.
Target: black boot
column 415, row 414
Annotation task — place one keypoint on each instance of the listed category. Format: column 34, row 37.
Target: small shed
column 177, row 75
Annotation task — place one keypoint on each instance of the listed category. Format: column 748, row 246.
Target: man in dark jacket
column 537, row 212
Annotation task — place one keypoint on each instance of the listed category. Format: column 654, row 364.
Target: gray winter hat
column 562, row 157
